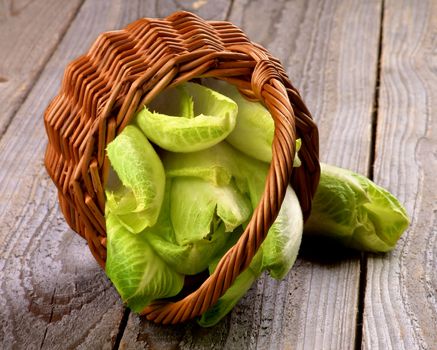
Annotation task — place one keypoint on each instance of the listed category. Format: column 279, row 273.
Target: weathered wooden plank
column 400, row 302
column 318, row 44
column 52, row 293
column 29, row 32
column 315, row 306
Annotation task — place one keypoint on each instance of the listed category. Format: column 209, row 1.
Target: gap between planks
column 121, row 328
column 370, row 174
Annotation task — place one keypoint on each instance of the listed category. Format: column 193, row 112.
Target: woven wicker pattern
column 124, row 70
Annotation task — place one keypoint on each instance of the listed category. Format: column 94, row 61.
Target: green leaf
column 190, row 258
column 137, row 202
column 254, row 129
column 281, row 246
column 235, row 292
column 219, row 165
column 253, row 133
column 215, row 164
column 190, row 249
column 174, row 102
column 203, row 119
column 353, row 209
column 206, row 206
column 139, row 274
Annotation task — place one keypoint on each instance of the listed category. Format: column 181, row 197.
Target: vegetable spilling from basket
column 187, row 174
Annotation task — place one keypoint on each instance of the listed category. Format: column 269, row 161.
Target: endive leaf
column 137, row 202
column 197, row 207
column 139, row 274
column 185, row 252
column 253, row 132
column 204, row 118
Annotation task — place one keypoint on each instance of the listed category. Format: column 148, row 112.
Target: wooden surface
column 372, row 88
column 401, row 292
column 29, row 33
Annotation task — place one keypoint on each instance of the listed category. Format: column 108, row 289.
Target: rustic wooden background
column 368, row 72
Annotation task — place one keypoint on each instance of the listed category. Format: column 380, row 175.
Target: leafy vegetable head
column 351, row 208
column 202, row 216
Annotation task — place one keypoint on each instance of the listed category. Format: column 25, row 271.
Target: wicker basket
column 124, row 70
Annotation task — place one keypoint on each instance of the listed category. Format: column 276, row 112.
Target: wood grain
column 315, row 306
column 29, row 32
column 317, row 43
column 52, row 293
column 400, row 302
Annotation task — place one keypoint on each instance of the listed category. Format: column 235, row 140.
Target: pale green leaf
column 281, row 246
column 253, row 133
column 138, row 273
column 353, row 209
column 203, row 119
column 185, row 252
column 138, row 201
column 197, row 206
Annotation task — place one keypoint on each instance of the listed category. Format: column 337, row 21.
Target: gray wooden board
column 52, row 293
column 29, row 32
column 315, row 306
column 401, row 294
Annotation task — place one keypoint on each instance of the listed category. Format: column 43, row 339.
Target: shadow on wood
column 324, row 251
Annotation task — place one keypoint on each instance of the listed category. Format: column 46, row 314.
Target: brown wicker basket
column 124, row 70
